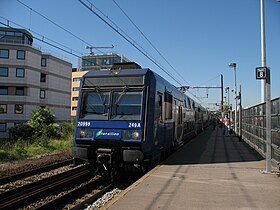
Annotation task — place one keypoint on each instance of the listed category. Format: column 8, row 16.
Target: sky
column 194, row 41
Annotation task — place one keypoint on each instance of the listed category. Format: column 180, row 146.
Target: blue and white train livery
column 131, row 117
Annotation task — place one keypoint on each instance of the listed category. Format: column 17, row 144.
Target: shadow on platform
column 212, row 146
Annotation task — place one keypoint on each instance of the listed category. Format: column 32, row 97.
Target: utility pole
column 263, row 50
column 222, row 95
column 263, row 73
column 240, row 114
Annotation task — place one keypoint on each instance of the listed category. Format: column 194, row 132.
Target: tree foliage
column 22, row 131
column 40, row 126
column 41, row 118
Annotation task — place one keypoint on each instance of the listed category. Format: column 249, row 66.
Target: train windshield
column 126, row 105
column 95, row 106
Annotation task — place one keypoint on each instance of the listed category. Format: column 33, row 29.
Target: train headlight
column 84, row 133
column 131, row 135
column 136, row 135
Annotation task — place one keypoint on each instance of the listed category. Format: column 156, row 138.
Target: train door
column 168, row 120
column 159, row 134
column 178, row 121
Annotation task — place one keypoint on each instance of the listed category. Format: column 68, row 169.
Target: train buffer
column 212, row 171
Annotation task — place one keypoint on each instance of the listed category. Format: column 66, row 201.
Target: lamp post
column 229, row 106
column 233, row 65
column 227, row 91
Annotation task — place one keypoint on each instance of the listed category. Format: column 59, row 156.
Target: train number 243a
column 134, row 125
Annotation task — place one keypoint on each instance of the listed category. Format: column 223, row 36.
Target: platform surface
column 212, row 171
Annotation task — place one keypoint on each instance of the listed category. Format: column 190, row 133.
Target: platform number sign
column 261, row 72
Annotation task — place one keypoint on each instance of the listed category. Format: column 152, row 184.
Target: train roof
column 117, row 72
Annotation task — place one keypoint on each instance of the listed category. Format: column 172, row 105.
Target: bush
column 22, row 131
column 39, row 136
column 67, row 130
column 52, row 131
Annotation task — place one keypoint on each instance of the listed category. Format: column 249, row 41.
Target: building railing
column 254, row 129
column 19, row 42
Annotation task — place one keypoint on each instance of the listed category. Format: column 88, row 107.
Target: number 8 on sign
column 261, row 72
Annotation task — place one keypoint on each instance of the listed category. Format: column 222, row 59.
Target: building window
column 20, row 72
column 3, row 127
column 75, row 98
column 4, row 53
column 21, row 54
column 43, row 77
column 42, row 93
column 43, row 62
column 18, row 34
column 74, row 108
column 76, row 79
column 4, row 72
column 3, row 90
column 18, row 108
column 75, row 88
column 20, row 91
column 3, row 108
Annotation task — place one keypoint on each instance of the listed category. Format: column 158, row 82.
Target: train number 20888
column 84, row 123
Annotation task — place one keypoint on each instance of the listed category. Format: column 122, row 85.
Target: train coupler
column 104, row 156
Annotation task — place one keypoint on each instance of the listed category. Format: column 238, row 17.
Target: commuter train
column 132, row 118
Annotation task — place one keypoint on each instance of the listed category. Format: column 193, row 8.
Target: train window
column 160, row 106
column 126, row 105
column 95, row 105
column 189, row 104
column 168, row 105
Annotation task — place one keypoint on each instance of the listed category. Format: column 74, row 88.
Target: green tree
column 41, row 118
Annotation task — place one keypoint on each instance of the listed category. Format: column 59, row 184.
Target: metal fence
column 254, row 128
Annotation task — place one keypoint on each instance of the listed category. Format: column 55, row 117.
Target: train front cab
column 111, row 119
column 135, row 117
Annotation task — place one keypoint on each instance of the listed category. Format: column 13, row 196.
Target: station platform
column 212, row 171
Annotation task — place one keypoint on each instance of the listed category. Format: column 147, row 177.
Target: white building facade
column 30, row 78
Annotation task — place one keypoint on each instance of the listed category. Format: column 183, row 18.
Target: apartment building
column 30, row 78
column 91, row 62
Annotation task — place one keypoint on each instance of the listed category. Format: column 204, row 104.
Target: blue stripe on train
column 110, row 124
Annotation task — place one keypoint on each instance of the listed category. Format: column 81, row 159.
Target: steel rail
column 19, row 197
column 65, row 199
column 42, row 169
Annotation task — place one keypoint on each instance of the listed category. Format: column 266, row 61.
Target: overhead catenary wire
column 54, row 46
column 74, row 52
column 118, row 30
column 48, row 41
column 153, row 46
column 34, row 32
column 59, row 26
column 69, row 32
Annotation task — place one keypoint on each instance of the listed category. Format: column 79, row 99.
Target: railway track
column 18, row 197
column 86, row 194
column 22, row 175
